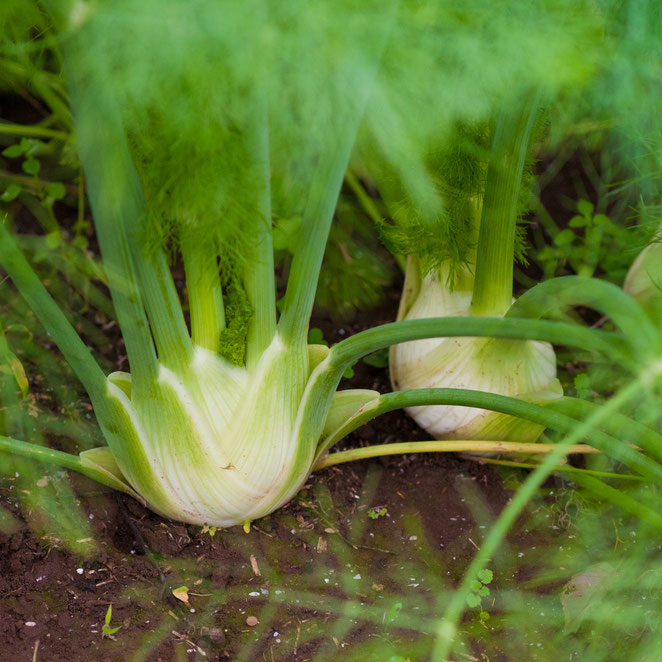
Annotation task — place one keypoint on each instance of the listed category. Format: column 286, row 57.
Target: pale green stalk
column 60, row 459
column 136, row 270
column 454, row 446
column 258, row 272
column 321, row 203
column 493, row 285
column 558, row 294
column 203, row 287
column 325, row 378
column 505, row 405
column 316, row 222
column 33, row 130
column 571, row 335
column 366, row 201
column 115, row 198
column 166, row 318
column 617, row 425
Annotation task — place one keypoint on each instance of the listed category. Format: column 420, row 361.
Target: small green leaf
column 578, row 222
column 483, row 591
column 582, row 384
column 486, row 576
column 56, row 190
column 565, row 237
column 473, row 600
column 13, row 151
column 11, row 193
column 316, row 337
column 31, row 166
column 393, row 613
column 378, row 359
column 349, row 373
column 373, row 513
column 484, row 616
column 585, row 208
column 476, row 586
column 53, row 239
column 106, row 627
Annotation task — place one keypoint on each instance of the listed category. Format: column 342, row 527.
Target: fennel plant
column 486, row 197
column 189, row 148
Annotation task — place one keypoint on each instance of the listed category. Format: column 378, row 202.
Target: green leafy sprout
column 107, row 629
column 480, row 590
column 376, row 513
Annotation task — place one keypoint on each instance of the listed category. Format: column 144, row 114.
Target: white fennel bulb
column 221, row 444
column 523, row 369
column 644, row 280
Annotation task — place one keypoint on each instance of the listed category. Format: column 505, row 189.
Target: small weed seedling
column 479, row 590
column 211, row 530
column 391, row 616
column 106, row 628
column 375, row 513
column 590, row 242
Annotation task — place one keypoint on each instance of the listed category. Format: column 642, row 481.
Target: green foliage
column 440, row 224
column 480, row 590
column 316, row 337
column 377, row 359
column 582, row 385
column 225, row 68
column 11, row 193
column 238, row 311
column 107, row 629
column 375, row 513
column 591, row 242
column 356, row 268
column 485, row 576
column 197, row 117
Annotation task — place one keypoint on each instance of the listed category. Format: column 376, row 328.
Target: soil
column 323, row 547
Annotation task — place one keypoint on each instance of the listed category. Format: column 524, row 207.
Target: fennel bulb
column 524, row 369
column 221, row 444
column 644, row 280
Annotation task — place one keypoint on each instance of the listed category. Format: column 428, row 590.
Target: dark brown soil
column 323, row 548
